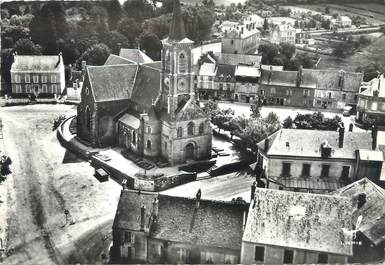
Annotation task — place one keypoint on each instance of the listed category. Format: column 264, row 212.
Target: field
column 371, row 17
column 370, row 54
column 375, row 8
column 217, row 2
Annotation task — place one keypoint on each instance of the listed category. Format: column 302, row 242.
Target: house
column 41, row 75
column 243, row 39
column 247, row 83
column 224, row 81
column 282, row 33
column 321, row 161
column 205, row 80
column 286, row 227
column 289, row 88
column 335, row 89
column 369, row 220
column 148, row 108
column 371, row 102
column 227, row 25
column 344, row 22
column 255, row 20
column 154, row 228
column 281, row 21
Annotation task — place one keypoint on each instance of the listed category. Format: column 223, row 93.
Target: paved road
column 43, row 188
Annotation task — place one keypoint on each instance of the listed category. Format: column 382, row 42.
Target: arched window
column 87, row 117
column 149, row 129
column 148, row 144
column 190, row 128
column 134, row 137
column 182, row 62
column 179, row 132
column 201, row 128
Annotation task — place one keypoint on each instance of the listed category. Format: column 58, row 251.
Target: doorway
column 190, row 151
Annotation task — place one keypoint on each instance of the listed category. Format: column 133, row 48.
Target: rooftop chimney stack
column 198, row 199
column 341, row 137
column 142, row 217
column 267, row 142
column 155, row 204
column 374, row 136
column 351, row 127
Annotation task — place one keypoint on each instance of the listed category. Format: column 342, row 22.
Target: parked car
column 348, row 110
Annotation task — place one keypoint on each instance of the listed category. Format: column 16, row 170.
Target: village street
column 42, row 187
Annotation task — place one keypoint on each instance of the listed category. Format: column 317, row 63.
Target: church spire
column 177, row 32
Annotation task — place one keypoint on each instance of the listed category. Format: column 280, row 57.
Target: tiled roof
column 225, row 71
column 372, row 212
column 311, row 140
column 130, row 120
column 376, row 84
column 329, row 79
column 213, row 224
column 128, row 211
column 115, row 59
column 237, row 59
column 287, row 78
column 112, row 82
column 147, row 85
column 135, row 55
column 36, row 63
column 299, row 220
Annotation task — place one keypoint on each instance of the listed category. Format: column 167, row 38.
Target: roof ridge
column 313, row 195
column 201, row 200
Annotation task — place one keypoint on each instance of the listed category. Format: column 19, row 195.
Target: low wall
column 229, row 168
column 167, row 182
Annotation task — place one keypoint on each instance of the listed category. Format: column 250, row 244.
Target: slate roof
column 376, row 84
column 372, row 212
column 213, row 224
column 299, row 220
column 238, row 59
column 130, row 120
column 115, row 59
column 311, row 140
column 128, row 211
column 287, row 78
column 135, row 55
column 112, row 82
column 147, row 86
column 329, row 79
column 36, row 63
column 225, row 72
column 248, row 71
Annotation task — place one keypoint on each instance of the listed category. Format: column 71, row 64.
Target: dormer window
column 182, row 62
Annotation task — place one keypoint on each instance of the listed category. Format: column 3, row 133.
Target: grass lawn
column 370, row 54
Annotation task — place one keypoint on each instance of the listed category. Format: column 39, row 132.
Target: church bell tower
column 177, row 84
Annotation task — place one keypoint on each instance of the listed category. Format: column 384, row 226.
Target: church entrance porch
column 190, row 151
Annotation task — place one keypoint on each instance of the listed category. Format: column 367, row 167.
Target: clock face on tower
column 182, row 85
column 166, row 82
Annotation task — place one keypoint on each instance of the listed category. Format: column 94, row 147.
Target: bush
column 57, row 121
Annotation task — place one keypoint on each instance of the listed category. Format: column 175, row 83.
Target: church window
column 182, row 63
column 134, row 137
column 179, row 132
column 88, row 117
column 148, row 129
column 201, row 128
column 165, row 145
column 190, row 128
column 148, row 144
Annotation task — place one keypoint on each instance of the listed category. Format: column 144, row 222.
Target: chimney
column 142, row 217
column 253, row 187
column 299, row 76
column 267, row 142
column 155, row 204
column 341, row 132
column 84, row 63
column 58, row 59
column 351, row 127
column 198, row 198
column 374, row 136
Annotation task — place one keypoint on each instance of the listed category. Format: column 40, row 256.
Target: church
column 144, row 106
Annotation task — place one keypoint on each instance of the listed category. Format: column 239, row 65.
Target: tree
column 151, row 44
column 97, row 54
column 27, row 47
column 255, row 109
column 327, row 10
column 138, row 9
column 99, row 17
column 160, row 26
column 371, row 71
column 268, row 52
column 115, row 13
column 326, row 24
column 130, row 28
column 6, row 63
column 114, row 40
column 343, row 49
column 222, row 118
column 10, row 34
column 265, row 25
column 210, row 108
column 69, row 49
column 287, row 50
column 287, row 123
column 316, row 121
column 198, row 22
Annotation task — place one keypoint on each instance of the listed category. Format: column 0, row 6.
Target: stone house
column 224, row 82
column 368, row 218
column 148, row 107
column 282, row 33
column 154, row 228
column 40, row 75
column 297, row 228
column 321, row 161
column 335, row 89
column 371, row 102
column 244, row 39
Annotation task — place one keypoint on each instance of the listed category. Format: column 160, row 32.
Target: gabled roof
column 226, row 71
column 147, row 85
column 115, row 59
column 112, row 82
column 37, row 63
column 238, row 59
column 299, row 220
column 287, row 78
column 130, row 120
column 311, row 140
column 135, row 55
column 213, row 224
column 207, row 69
column 329, row 79
column 189, row 110
column 373, row 210
column 128, row 211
